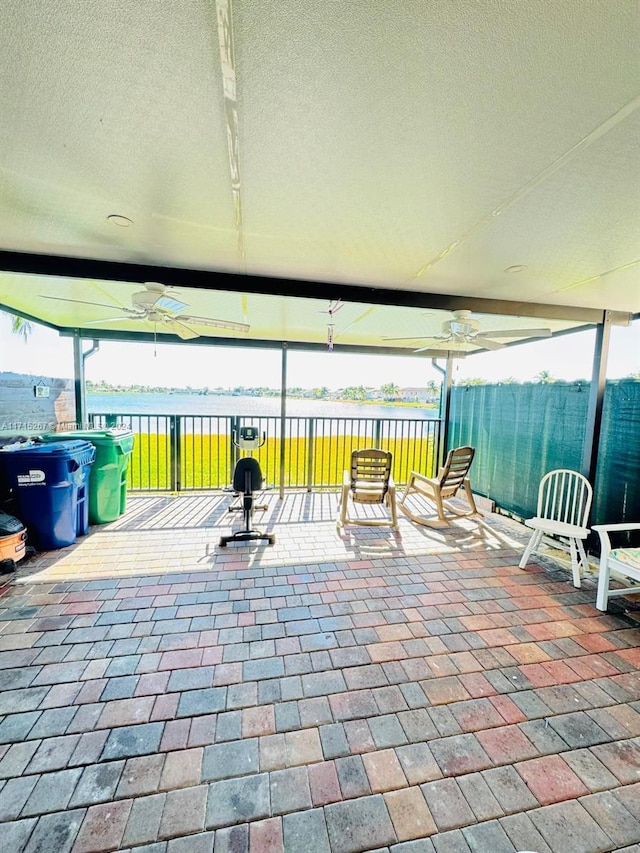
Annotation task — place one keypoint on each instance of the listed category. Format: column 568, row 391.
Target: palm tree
column 433, row 389
column 20, row 326
column 355, row 392
column 476, row 380
column 544, row 377
column 390, row 391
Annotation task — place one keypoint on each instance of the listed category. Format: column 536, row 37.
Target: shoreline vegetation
column 386, row 395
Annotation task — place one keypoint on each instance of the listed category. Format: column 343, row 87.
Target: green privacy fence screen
column 522, row 431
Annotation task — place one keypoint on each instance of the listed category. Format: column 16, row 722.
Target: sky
column 48, row 354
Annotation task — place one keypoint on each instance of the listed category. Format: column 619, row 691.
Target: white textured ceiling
column 420, row 146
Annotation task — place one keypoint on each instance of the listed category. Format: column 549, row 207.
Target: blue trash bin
column 49, row 489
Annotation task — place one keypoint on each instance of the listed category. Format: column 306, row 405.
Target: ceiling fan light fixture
column 144, row 299
column 119, row 220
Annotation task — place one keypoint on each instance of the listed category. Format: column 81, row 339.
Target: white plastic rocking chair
column 564, row 502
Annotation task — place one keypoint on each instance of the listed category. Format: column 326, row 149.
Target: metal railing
column 196, row 452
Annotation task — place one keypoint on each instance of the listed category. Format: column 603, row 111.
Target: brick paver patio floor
column 334, row 693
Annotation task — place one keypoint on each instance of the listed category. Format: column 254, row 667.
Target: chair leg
column 602, row 597
column 342, row 520
column 440, row 506
column 391, row 503
column 583, row 555
column 469, row 494
column 575, row 564
column 532, row 546
column 406, row 491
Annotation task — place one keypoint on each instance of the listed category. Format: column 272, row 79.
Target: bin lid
column 9, row 524
column 118, row 436
column 107, row 432
column 67, row 447
column 70, row 449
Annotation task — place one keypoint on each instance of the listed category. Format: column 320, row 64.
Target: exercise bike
column 247, row 479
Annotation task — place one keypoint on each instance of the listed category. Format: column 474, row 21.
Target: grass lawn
column 206, row 461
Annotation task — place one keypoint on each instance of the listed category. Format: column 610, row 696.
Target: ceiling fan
column 157, row 305
column 463, row 329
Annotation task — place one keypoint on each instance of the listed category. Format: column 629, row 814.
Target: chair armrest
column 416, row 476
column 605, row 543
column 603, row 531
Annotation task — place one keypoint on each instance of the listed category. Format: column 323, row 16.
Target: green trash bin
column 108, row 478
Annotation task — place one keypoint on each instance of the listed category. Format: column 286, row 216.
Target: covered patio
column 425, row 179
column 413, row 692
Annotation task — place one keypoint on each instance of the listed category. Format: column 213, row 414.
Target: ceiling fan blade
column 210, row 321
column 416, row 338
column 486, row 342
column 106, row 320
column 181, row 329
column 83, row 302
column 433, row 343
column 441, row 353
column 517, row 333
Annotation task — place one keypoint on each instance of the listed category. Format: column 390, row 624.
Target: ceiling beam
column 91, row 268
column 239, row 343
column 300, row 346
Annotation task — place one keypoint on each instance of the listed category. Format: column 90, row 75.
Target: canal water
column 123, row 403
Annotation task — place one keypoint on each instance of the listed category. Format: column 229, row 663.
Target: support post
column 79, row 358
column 283, row 417
column 175, row 444
column 596, row 399
column 310, row 442
column 178, row 452
column 445, row 409
column 78, row 377
column 377, row 433
column 234, row 452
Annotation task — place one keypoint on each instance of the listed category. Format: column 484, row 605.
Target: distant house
column 34, row 404
column 417, row 395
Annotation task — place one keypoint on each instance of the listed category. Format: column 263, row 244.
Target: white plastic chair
column 625, row 561
column 564, row 501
